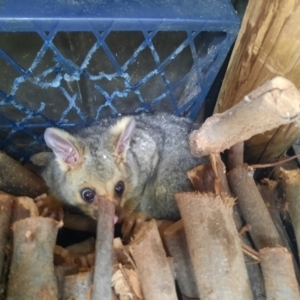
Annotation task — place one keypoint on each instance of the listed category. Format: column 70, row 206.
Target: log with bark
column 279, row 275
column 275, row 103
column 153, row 268
column 32, row 271
column 104, row 250
column 17, row 180
column 214, row 246
column 176, row 242
column 291, row 185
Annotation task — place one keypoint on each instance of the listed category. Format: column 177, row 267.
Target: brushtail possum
column 138, row 162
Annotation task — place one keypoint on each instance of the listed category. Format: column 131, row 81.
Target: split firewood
column 279, row 275
column 267, row 191
column 34, row 240
column 23, row 207
column 17, row 180
column 235, row 156
column 291, row 186
column 275, row 103
column 162, row 225
column 176, row 242
column 221, row 185
column 202, row 178
column 104, row 250
column 6, row 202
column 63, row 256
column 215, row 246
column 80, row 222
column 85, row 247
column 262, row 228
column 125, row 280
column 78, row 286
column 60, row 273
column 152, row 264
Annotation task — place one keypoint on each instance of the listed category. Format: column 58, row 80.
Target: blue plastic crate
column 70, row 62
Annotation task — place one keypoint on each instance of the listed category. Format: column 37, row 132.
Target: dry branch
column 6, row 202
column 125, row 281
column 78, row 286
column 64, row 257
column 214, row 246
column 267, row 191
column 262, row 228
column 176, row 242
column 279, row 275
column 235, row 156
column 80, row 222
column 17, row 180
column 152, row 264
column 275, row 103
column 60, row 273
column 291, row 185
column 23, row 207
column 85, row 247
column 32, row 271
column 104, row 250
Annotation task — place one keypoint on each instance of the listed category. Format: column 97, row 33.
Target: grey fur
column 156, row 162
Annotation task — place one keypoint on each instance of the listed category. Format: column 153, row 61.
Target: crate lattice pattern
column 49, row 72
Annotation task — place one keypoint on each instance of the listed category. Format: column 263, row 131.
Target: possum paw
column 49, row 207
column 133, row 223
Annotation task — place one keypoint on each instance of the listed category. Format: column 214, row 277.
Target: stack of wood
column 230, row 244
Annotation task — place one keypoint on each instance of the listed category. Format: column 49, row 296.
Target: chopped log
column 202, row 178
column 85, row 247
column 80, row 222
column 125, row 280
column 221, row 183
column 104, row 250
column 279, row 275
column 63, row 256
column 214, row 246
column 162, row 225
column 152, row 264
column 78, row 286
column 23, row 207
column 262, row 228
column 176, row 242
column 235, row 156
column 267, row 45
column 6, row 202
column 34, row 240
column 267, row 191
column 291, row 185
column 60, row 273
column 17, row 180
column 275, row 103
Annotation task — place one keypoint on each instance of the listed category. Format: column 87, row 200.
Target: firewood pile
column 237, row 238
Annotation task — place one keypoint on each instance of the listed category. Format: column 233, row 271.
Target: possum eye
column 119, row 188
column 88, row 195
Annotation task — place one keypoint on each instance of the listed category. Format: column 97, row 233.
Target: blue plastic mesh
column 66, row 78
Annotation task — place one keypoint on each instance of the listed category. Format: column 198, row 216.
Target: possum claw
column 133, row 223
column 49, row 207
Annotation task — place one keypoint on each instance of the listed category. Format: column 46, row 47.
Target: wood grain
column 267, row 46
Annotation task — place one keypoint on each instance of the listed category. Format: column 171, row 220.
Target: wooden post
column 267, row 45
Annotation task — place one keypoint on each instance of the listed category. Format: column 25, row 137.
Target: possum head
column 84, row 168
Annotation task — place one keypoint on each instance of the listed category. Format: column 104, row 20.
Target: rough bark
column 214, row 246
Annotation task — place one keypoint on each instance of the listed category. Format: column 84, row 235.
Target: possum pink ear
column 63, row 149
column 125, row 137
